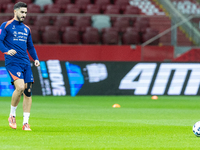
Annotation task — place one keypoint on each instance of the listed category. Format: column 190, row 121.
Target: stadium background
column 101, row 35
column 120, row 51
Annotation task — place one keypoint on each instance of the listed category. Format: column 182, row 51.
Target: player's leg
column 27, row 102
column 19, row 88
column 15, row 71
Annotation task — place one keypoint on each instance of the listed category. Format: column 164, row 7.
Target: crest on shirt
column 25, row 30
column 0, row 31
column 13, row 27
column 19, row 74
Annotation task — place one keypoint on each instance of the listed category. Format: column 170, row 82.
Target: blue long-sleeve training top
column 16, row 35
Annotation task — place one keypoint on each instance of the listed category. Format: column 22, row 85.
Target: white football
column 196, row 129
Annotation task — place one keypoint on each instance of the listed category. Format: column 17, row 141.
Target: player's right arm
column 4, row 49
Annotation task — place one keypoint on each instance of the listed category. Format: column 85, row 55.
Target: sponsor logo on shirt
column 15, row 33
column 20, row 36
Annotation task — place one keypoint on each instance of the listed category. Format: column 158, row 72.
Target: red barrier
column 87, row 53
column 192, row 55
column 157, row 53
column 103, row 53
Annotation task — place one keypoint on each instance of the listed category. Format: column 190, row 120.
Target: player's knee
column 20, row 89
column 27, row 90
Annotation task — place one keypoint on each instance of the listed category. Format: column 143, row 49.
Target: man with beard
column 15, row 40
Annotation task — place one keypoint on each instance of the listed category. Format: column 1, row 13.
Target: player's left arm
column 32, row 51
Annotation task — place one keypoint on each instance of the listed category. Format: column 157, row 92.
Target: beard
column 20, row 19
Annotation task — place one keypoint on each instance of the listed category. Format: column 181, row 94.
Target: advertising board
column 60, row 78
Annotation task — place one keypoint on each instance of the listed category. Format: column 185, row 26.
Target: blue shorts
column 20, row 71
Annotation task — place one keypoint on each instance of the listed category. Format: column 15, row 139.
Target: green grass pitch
column 90, row 123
